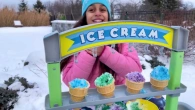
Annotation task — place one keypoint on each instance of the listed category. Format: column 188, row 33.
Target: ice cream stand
column 61, row 45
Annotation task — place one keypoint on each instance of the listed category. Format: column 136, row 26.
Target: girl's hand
column 99, row 51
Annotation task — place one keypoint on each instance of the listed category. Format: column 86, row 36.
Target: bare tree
column 113, row 6
column 148, row 6
column 124, row 9
column 188, row 6
column 0, row 5
column 71, row 9
column 54, row 7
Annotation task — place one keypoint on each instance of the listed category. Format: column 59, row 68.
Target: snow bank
column 16, row 86
column 147, row 57
column 3, row 86
column 64, row 21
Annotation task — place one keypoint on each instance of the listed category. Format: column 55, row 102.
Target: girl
column 88, row 67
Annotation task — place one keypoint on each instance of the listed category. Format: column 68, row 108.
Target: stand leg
column 171, row 103
column 55, row 95
column 175, row 79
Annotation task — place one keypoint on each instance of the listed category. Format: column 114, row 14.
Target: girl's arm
column 121, row 62
column 81, row 69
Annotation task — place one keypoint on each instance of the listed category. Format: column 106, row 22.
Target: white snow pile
column 3, row 86
column 16, row 86
column 147, row 57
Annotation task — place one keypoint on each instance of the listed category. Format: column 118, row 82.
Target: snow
column 184, row 22
column 147, row 57
column 16, row 86
column 141, row 58
column 25, row 44
column 3, row 86
column 19, row 45
column 17, row 23
column 64, row 21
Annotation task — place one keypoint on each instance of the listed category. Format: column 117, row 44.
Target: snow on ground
column 19, row 45
column 147, row 57
column 64, row 21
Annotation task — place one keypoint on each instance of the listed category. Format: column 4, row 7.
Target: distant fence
column 168, row 18
column 137, row 15
column 175, row 18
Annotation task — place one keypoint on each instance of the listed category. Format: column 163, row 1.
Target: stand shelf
column 120, row 94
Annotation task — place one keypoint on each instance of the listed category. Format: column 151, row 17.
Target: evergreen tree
column 148, row 6
column 22, row 6
column 163, row 4
column 173, row 4
column 39, row 6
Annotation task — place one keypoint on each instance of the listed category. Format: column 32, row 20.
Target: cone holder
column 120, row 94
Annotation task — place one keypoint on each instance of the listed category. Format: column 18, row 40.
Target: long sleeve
column 82, row 69
column 121, row 62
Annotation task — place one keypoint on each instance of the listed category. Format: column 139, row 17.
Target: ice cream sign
column 91, row 36
column 117, row 33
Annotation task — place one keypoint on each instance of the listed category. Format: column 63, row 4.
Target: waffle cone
column 158, row 85
column 76, row 98
column 106, row 91
column 134, row 87
column 78, row 94
column 77, row 109
column 158, row 97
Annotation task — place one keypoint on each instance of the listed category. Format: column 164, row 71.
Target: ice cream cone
column 77, row 109
column 134, row 87
column 158, row 85
column 78, row 94
column 159, row 78
column 106, row 91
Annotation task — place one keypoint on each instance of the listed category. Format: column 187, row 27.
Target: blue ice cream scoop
column 78, row 83
column 160, row 73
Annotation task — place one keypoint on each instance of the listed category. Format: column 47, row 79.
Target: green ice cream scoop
column 104, row 80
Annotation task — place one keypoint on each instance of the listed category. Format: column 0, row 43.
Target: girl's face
column 96, row 13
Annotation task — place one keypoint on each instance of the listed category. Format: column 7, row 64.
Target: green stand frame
column 175, row 71
column 53, row 58
column 55, row 93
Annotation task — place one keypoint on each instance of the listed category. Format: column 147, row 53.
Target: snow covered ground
column 18, row 45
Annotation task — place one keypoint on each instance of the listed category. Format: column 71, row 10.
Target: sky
column 15, row 3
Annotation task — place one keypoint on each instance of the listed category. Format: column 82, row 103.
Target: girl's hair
column 83, row 22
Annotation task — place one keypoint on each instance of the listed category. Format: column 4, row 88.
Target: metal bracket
column 113, row 48
column 180, row 40
column 52, row 47
column 75, row 58
column 175, row 95
column 94, row 52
